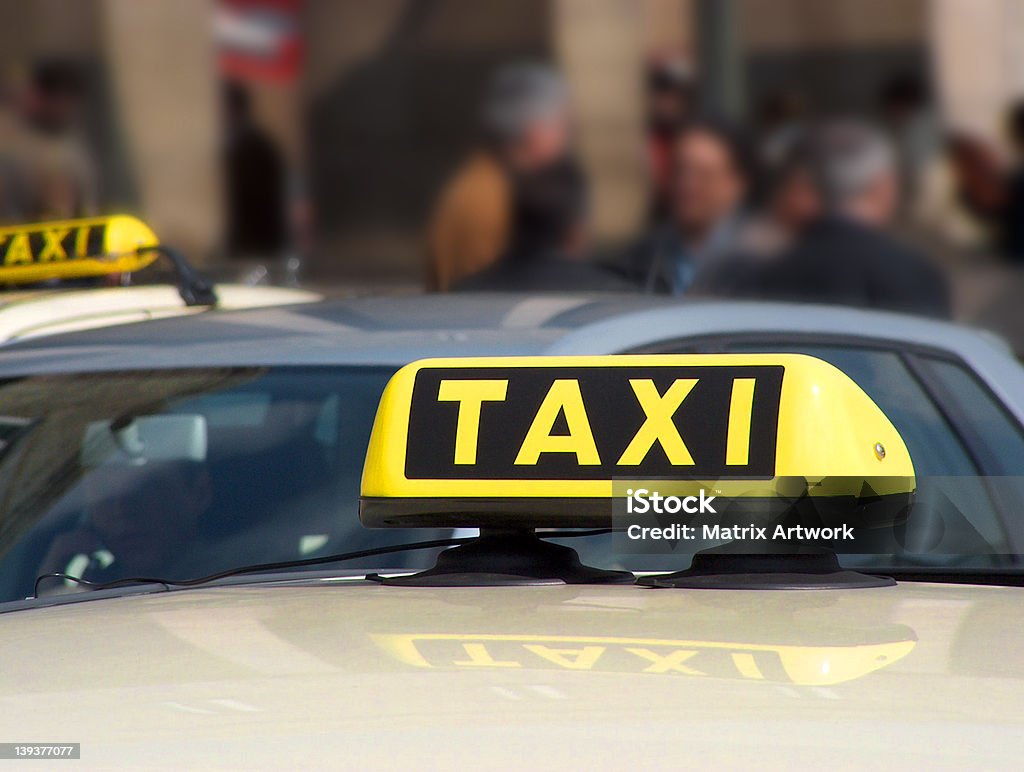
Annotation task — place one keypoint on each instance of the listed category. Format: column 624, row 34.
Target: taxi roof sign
column 538, row 441
column 74, row 249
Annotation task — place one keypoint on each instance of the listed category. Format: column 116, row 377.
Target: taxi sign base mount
column 508, row 557
column 720, row 569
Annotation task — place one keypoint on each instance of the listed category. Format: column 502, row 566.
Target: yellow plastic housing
column 75, row 249
column 829, row 432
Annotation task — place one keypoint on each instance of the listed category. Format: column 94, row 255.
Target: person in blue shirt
column 711, row 178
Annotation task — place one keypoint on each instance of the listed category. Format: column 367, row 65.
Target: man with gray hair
column 526, row 129
column 847, row 255
column 853, row 166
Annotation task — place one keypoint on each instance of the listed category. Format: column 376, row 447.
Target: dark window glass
column 183, row 473
column 998, row 436
column 955, row 519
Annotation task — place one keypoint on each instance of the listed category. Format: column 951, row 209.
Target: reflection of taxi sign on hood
column 73, row 249
column 827, row 663
column 539, row 442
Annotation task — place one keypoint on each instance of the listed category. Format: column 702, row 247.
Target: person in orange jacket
column 526, row 127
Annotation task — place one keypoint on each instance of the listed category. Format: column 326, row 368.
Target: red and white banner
column 259, row 39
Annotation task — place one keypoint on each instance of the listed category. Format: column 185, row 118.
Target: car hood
column 366, row 676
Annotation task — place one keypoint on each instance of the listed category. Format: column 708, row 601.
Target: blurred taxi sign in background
column 539, row 440
column 60, row 276
column 74, row 249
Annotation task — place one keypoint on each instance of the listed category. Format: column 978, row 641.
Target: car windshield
column 183, row 473
column 180, row 474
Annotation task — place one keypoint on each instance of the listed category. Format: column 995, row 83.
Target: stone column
column 162, row 65
column 600, row 45
column 978, row 53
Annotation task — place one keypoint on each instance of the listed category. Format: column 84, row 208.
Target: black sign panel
column 592, row 423
column 52, row 244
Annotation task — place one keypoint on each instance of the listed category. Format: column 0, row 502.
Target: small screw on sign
column 879, row 451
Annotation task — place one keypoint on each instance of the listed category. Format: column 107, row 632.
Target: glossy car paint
column 31, row 314
column 346, row 674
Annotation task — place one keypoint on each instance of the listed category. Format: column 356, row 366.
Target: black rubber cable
column 286, row 564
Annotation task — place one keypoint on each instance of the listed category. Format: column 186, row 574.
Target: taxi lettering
column 658, row 426
column 50, row 244
column 535, row 424
column 563, row 398
column 551, row 440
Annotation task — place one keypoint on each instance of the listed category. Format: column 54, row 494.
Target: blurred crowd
column 47, row 168
column 794, row 207
column 870, row 211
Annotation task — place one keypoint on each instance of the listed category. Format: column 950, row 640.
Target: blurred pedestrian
column 526, row 129
column 255, row 182
column 711, row 175
column 913, row 123
column 1013, row 210
column 781, row 119
column 548, row 247
column 847, row 254
column 788, row 203
column 47, row 170
column 963, row 198
column 671, row 97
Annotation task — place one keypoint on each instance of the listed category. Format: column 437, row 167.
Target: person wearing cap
column 847, row 255
column 526, row 128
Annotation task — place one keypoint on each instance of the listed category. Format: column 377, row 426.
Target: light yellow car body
column 34, row 313
column 343, row 674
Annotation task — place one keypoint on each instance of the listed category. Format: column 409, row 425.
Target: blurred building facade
column 382, row 103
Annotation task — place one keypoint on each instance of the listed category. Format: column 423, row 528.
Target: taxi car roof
column 394, row 330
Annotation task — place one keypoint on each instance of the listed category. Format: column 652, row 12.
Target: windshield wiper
column 258, row 568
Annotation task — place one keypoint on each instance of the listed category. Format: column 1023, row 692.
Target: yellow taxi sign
column 72, row 249
column 538, row 441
